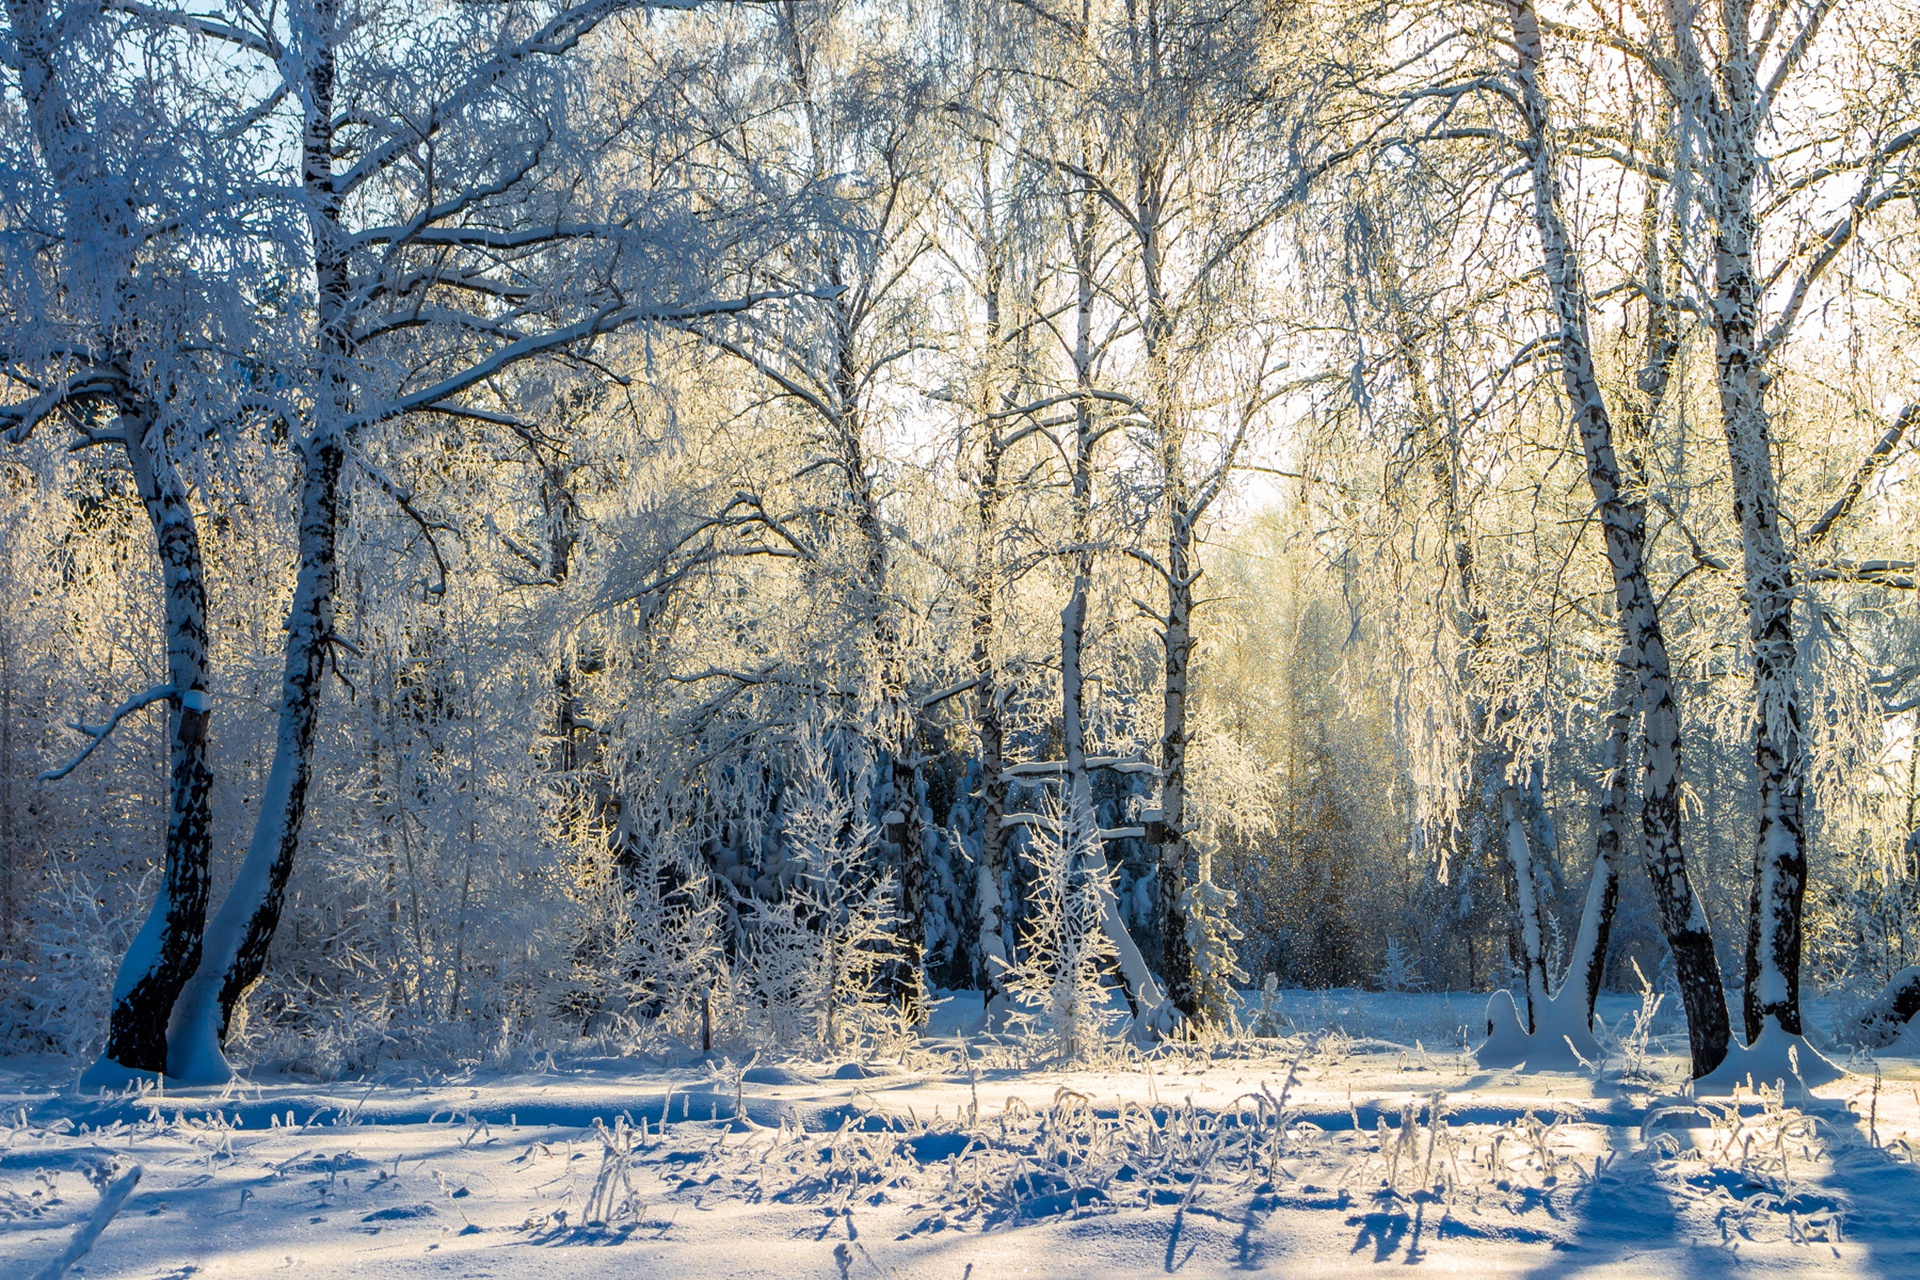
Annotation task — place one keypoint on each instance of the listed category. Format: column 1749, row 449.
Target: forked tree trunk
column 1780, row 767
column 1623, row 524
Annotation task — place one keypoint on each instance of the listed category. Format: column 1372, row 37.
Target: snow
column 1776, row 1057
column 1367, row 1137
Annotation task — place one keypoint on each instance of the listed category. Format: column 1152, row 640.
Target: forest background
column 541, row 524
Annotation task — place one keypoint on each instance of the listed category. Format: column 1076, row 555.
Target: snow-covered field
column 1365, row 1139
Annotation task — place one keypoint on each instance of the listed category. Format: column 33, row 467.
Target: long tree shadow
column 1626, row 1213
column 1880, row 1193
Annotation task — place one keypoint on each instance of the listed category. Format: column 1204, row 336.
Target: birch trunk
column 166, row 951
column 1176, row 628
column 1779, row 848
column 1142, row 990
column 1623, row 524
column 994, row 952
column 242, row 930
column 1513, row 815
column 1588, row 964
column 167, row 947
column 1176, row 956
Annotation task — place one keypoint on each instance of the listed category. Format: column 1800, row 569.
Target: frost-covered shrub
column 1399, row 971
column 815, row 961
column 1267, row 1019
column 1055, row 980
column 1210, row 938
column 59, row 985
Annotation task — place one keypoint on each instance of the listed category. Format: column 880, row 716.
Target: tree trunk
column 1532, row 957
column 1176, row 957
column 1588, row 964
column 242, row 931
column 1779, row 849
column 1142, row 992
column 1886, row 1015
column 166, row 951
column 995, row 950
column 989, row 892
column 1623, row 523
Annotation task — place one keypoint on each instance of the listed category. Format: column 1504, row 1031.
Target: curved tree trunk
column 166, row 951
column 242, row 930
column 1623, row 524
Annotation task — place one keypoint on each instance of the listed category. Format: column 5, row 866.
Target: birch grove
column 607, row 523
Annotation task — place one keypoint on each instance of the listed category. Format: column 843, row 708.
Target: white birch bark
column 106, row 237
column 238, row 937
column 1623, row 524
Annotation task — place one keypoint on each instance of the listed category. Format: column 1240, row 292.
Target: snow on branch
column 99, row 732
column 605, row 320
column 1863, row 475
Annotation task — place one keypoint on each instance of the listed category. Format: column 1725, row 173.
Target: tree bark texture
column 1623, row 525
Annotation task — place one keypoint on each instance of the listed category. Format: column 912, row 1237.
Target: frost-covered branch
column 98, row 732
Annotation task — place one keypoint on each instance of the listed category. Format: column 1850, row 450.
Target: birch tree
column 106, row 307
column 430, row 212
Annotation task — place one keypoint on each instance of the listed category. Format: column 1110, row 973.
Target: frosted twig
column 110, row 1201
column 99, row 732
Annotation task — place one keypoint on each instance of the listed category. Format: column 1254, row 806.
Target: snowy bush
column 815, row 961
column 1055, row 981
column 1210, row 938
column 1400, row 971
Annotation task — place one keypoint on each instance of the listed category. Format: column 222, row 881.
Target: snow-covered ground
column 1365, row 1138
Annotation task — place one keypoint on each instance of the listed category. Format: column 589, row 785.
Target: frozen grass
column 1362, row 1136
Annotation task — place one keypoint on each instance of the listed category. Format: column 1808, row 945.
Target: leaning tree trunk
column 242, row 931
column 238, row 938
column 1779, row 848
column 1588, row 964
column 166, row 951
column 1623, row 524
